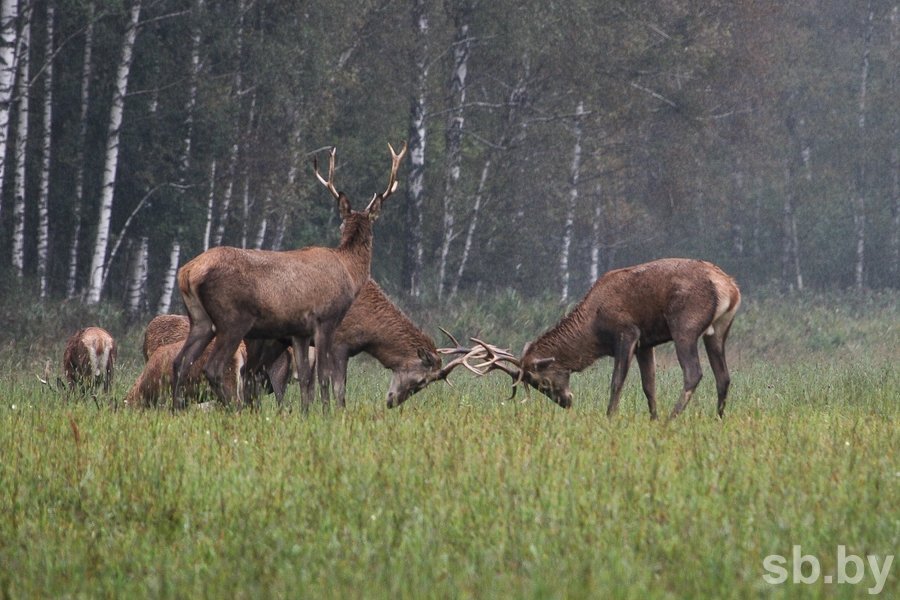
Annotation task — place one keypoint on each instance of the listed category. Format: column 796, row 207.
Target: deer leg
column 222, row 354
column 340, row 377
column 715, row 350
column 686, row 350
column 199, row 337
column 279, row 374
column 625, row 345
column 304, row 371
column 646, row 360
column 325, row 362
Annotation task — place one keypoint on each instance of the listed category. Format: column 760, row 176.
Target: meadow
column 464, row 493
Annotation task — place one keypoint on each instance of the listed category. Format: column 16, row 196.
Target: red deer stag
column 163, row 330
column 376, row 326
column 154, row 379
column 626, row 313
column 303, row 294
column 89, row 359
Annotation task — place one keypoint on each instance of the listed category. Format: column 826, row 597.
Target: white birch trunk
column 455, row 124
column 280, row 230
column 595, row 235
column 260, row 236
column 98, row 260
column 859, row 200
column 569, row 227
column 231, row 173
column 22, row 93
column 86, row 73
column 137, row 280
column 245, row 210
column 184, row 164
column 210, row 203
column 473, row 223
column 415, row 188
column 9, row 14
column 44, row 193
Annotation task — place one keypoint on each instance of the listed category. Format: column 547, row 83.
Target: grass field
column 464, row 494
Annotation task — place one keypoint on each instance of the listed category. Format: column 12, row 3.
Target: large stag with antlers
column 627, row 313
column 303, row 294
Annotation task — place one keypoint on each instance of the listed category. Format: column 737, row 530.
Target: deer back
column 90, row 357
column 163, row 330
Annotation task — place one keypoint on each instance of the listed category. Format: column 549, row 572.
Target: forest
column 548, row 141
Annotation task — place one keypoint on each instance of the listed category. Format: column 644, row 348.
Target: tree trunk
column 895, row 157
column 791, row 276
column 44, row 195
column 260, row 236
column 413, row 258
column 137, row 280
column 210, row 203
column 595, row 237
column 859, row 199
column 22, row 94
column 86, row 74
column 473, row 223
column 9, row 14
column 280, row 230
column 184, row 164
column 231, row 172
column 569, row 227
column 455, row 123
column 98, row 260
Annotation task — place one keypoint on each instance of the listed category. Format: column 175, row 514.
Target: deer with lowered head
column 89, row 359
column 625, row 314
column 153, row 382
column 373, row 324
column 302, row 294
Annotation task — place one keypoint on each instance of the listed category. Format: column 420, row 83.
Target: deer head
column 542, row 373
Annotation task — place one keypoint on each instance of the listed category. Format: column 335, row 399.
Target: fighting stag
column 627, row 313
column 302, row 294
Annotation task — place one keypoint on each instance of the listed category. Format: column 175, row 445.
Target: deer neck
column 572, row 342
column 355, row 249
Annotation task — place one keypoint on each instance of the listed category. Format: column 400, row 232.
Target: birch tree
column 44, row 192
column 86, row 74
column 415, row 188
column 569, row 227
column 9, row 14
column 23, row 96
column 137, row 280
column 184, row 163
column 455, row 124
column 98, row 259
column 859, row 196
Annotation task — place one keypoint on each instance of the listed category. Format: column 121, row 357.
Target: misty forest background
column 549, row 141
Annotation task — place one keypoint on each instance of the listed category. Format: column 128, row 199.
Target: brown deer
column 303, row 294
column 627, row 313
column 153, row 382
column 373, row 324
column 376, row 326
column 163, row 330
column 89, row 359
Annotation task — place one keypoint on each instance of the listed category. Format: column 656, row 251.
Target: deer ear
column 344, row 206
column 426, row 357
column 374, row 207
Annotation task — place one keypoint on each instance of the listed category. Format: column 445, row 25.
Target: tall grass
column 463, row 493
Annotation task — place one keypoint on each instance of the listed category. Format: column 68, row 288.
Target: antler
column 496, row 359
column 466, row 354
column 329, row 183
column 392, row 180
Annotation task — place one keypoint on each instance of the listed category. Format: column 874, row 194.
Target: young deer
column 303, row 294
column 626, row 313
column 89, row 359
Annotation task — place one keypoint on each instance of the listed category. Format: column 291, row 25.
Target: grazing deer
column 303, row 294
column 628, row 312
column 89, row 359
column 163, row 330
column 153, row 381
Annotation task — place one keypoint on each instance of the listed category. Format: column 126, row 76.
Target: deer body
column 89, row 359
column 154, row 380
column 233, row 293
column 163, row 330
column 627, row 313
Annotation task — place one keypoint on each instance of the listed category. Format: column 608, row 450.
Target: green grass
column 460, row 493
